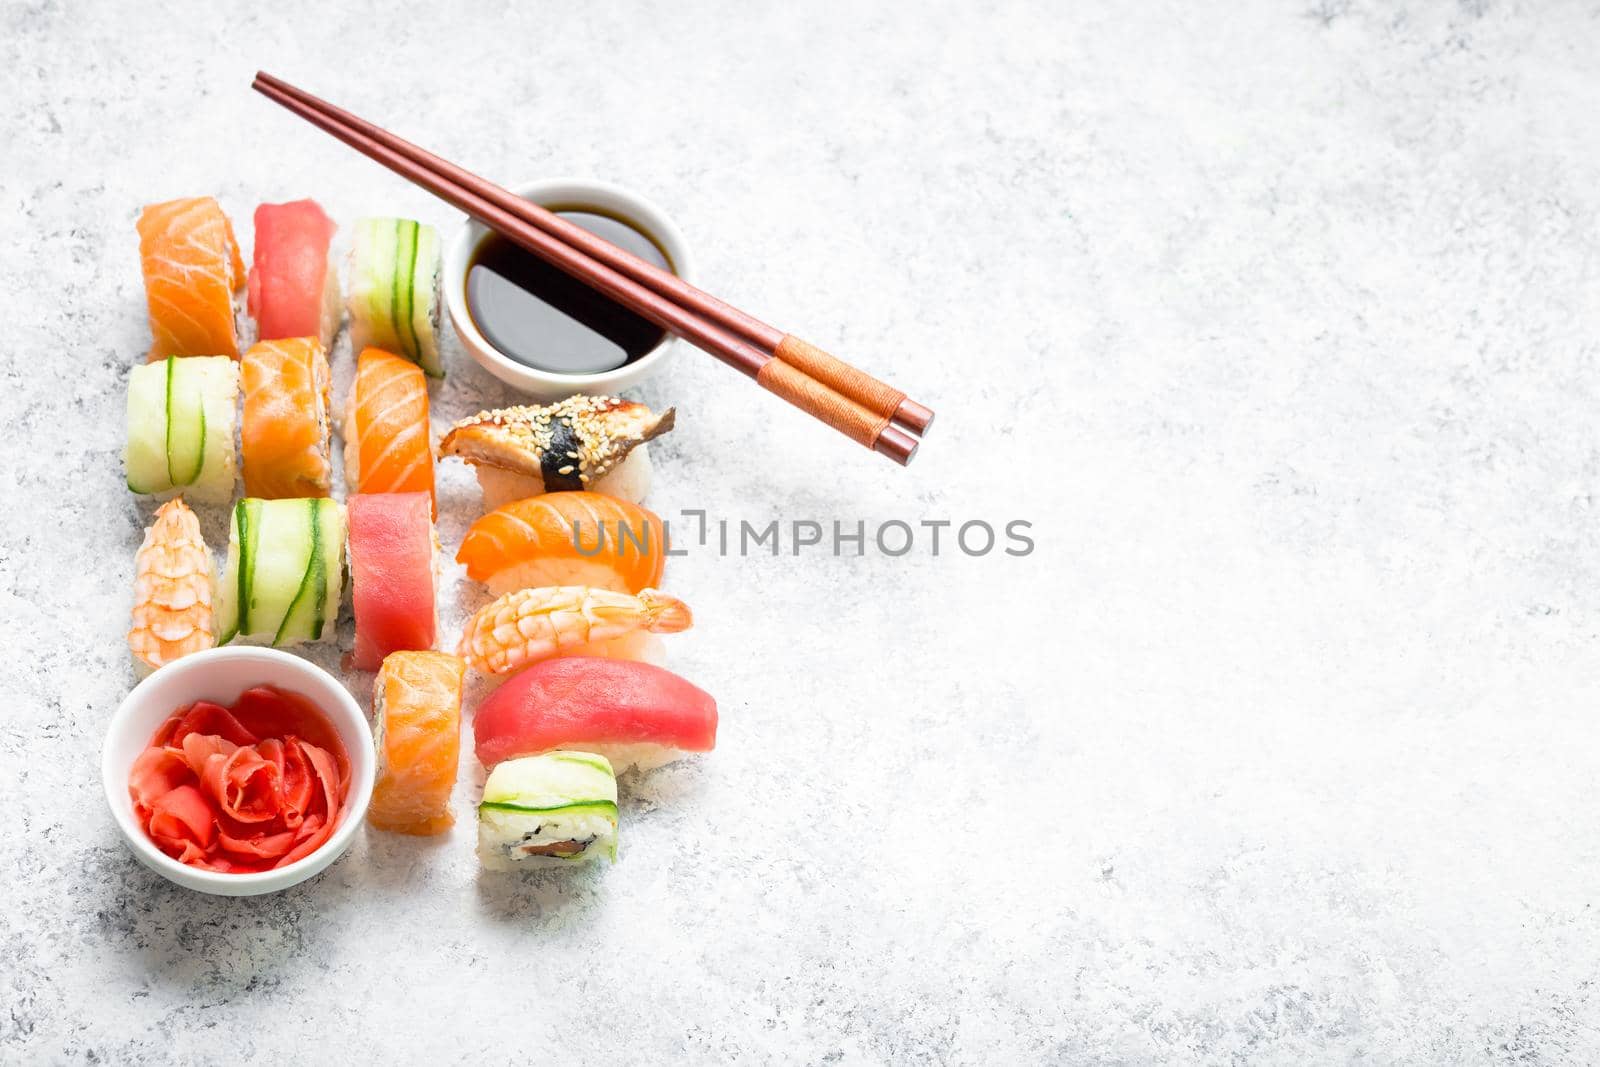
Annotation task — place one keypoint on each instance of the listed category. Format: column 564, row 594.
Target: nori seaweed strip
column 557, row 458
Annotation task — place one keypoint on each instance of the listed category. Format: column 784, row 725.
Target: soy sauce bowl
column 572, row 193
column 220, row 675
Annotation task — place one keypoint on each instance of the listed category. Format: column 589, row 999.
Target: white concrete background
column 1277, row 322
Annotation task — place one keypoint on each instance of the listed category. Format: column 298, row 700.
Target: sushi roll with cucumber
column 180, row 428
column 285, row 572
column 557, row 808
column 394, row 289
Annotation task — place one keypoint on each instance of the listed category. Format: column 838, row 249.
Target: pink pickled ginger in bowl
column 341, row 761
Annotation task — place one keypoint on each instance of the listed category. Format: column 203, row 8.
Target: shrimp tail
column 665, row 614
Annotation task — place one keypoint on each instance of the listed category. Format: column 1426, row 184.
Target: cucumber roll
column 394, row 289
column 180, row 428
column 560, row 807
column 285, row 572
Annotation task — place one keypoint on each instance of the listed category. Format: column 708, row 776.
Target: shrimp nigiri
column 530, row 625
column 172, row 613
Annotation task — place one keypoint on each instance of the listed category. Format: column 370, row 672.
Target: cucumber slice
column 145, row 456
column 555, row 780
column 219, row 383
column 233, row 588
column 303, row 620
column 372, row 285
column 424, row 301
column 186, row 422
column 285, row 571
column 282, row 555
column 400, row 292
column 394, row 285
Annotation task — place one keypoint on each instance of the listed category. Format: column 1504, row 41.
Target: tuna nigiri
column 530, row 625
column 387, row 444
column 284, row 431
column 566, row 539
column 634, row 714
column 172, row 612
column 583, row 442
column 392, row 574
column 192, row 268
column 416, row 707
column 294, row 290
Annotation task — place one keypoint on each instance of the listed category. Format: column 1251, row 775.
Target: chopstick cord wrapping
column 843, row 414
column 835, row 373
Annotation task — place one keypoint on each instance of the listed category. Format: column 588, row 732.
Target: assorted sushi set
column 571, row 640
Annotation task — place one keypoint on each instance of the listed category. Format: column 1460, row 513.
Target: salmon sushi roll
column 284, row 433
column 192, row 269
column 416, row 709
column 531, row 625
column 566, row 539
column 293, row 287
column 388, row 447
column 392, row 554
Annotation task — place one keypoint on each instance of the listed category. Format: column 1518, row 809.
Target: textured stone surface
column 1278, row 323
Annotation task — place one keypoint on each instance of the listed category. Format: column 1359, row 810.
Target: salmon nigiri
column 416, row 705
column 387, row 444
column 192, row 268
column 538, row 624
column 172, row 610
column 566, row 539
column 284, row 432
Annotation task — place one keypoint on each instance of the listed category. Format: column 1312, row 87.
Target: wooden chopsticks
column 861, row 407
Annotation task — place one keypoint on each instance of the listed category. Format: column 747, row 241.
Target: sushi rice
column 628, row 480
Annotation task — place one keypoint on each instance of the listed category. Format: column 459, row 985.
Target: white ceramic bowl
column 220, row 675
column 548, row 385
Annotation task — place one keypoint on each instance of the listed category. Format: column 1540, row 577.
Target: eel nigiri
column 293, row 289
column 394, row 290
column 416, row 707
column 180, row 428
column 566, row 539
column 172, row 613
column 392, row 550
column 192, row 268
column 634, row 714
column 548, row 810
column 284, row 434
column 530, row 625
column 582, row 442
column 387, row 444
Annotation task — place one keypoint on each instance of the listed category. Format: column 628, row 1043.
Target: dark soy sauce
column 544, row 318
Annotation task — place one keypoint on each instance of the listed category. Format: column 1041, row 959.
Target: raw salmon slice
column 416, row 706
column 577, row 538
column 387, row 444
column 284, row 435
column 192, row 268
